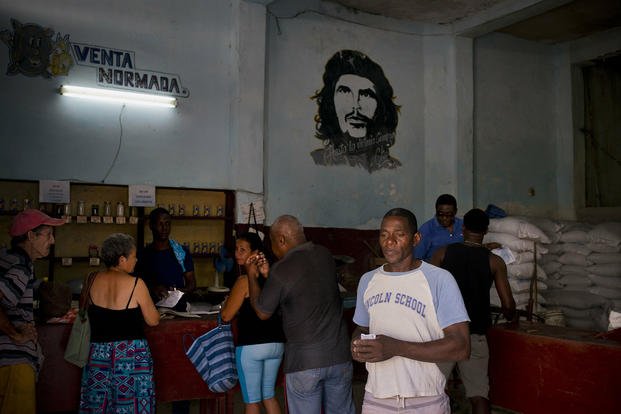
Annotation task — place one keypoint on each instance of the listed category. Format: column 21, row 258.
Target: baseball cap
column 30, row 219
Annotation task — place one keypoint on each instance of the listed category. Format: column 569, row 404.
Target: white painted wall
column 216, row 47
column 423, row 70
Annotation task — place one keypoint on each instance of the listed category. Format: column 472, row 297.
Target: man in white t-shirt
column 418, row 317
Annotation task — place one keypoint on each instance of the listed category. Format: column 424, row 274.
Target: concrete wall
column 524, row 126
column 515, row 155
column 489, row 122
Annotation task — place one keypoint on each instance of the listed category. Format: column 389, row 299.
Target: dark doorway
column 602, row 132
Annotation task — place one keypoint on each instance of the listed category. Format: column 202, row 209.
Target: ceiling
column 546, row 21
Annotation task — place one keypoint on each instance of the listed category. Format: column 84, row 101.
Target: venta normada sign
column 34, row 51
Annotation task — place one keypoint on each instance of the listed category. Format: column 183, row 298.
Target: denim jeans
column 329, row 388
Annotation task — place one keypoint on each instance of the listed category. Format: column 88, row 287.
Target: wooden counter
column 175, row 377
column 537, row 368
column 58, row 387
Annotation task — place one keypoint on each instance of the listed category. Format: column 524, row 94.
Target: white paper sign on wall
column 142, row 195
column 51, row 191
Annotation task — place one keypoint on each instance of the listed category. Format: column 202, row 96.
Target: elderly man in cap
column 20, row 358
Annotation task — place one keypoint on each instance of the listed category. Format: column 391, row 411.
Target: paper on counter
column 167, row 311
column 171, row 300
column 203, row 308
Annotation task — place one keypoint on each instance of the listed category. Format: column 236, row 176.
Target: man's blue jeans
column 329, row 388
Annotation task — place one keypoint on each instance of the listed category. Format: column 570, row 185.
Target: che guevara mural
column 356, row 116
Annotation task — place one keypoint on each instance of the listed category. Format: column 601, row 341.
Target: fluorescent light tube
column 114, row 95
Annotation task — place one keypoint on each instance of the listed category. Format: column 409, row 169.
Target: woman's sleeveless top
column 251, row 330
column 109, row 325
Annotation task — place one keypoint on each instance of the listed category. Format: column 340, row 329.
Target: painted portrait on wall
column 356, row 117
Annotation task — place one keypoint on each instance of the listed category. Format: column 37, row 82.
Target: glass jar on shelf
column 81, row 208
column 107, row 209
column 120, row 209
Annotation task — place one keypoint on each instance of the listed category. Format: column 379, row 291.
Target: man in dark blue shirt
column 164, row 264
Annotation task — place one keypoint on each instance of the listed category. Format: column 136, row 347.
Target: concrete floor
column 460, row 404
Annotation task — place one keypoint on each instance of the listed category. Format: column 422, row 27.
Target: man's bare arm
column 499, row 272
column 455, row 346
column 253, row 264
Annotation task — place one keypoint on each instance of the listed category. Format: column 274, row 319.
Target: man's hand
column 160, row 291
column 24, row 333
column 257, row 264
column 492, row 245
column 374, row 350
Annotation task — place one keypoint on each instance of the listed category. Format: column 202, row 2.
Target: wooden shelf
column 8, row 213
column 73, row 239
column 201, row 218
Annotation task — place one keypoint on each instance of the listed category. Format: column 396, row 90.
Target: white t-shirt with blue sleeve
column 413, row 306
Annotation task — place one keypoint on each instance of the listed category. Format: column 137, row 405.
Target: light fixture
column 113, row 95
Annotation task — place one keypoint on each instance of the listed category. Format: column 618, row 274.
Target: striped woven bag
column 213, row 356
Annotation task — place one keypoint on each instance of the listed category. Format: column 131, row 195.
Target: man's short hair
column 156, row 213
column 290, row 226
column 405, row 213
column 352, row 62
column 476, row 221
column 446, row 200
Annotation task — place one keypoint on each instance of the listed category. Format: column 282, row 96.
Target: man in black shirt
column 302, row 283
column 475, row 268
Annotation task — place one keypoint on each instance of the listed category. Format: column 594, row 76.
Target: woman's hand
column 251, row 266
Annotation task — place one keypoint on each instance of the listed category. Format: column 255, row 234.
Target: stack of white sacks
column 584, row 265
column 518, row 237
column 578, row 266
